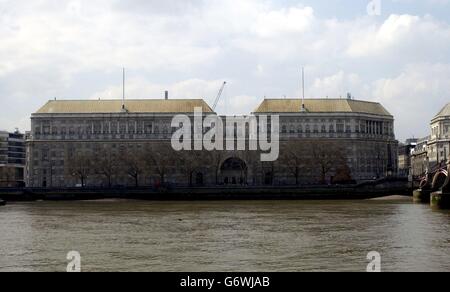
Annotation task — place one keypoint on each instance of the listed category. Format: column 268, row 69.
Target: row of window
column 370, row 127
column 98, row 129
column 436, row 131
column 340, row 128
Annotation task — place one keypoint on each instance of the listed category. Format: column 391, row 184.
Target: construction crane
column 216, row 102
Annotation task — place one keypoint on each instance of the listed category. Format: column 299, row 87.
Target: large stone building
column 433, row 150
column 12, row 159
column 104, row 143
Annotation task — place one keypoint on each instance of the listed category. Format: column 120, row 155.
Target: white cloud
column 400, row 36
column 335, row 86
column 276, row 22
column 374, row 40
column 415, row 96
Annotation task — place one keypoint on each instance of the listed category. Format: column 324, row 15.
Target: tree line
column 299, row 162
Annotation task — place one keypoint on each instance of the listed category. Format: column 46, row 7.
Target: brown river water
column 262, row 236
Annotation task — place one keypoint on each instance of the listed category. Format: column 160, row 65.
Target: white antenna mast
column 123, row 92
column 303, row 89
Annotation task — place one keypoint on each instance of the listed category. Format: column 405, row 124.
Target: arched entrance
column 234, row 172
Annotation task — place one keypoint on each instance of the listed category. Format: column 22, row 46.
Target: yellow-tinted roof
column 115, row 106
column 321, row 106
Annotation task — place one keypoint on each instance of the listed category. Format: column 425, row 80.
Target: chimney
column 167, row 95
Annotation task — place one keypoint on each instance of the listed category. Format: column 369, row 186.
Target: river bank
column 193, row 194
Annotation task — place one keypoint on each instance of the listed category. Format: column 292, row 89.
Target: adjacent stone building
column 12, row 159
column 101, row 143
column 439, row 143
column 434, row 150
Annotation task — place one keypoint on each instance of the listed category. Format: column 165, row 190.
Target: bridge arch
column 440, row 180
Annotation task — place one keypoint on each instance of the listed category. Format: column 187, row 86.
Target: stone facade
column 101, row 144
column 433, row 150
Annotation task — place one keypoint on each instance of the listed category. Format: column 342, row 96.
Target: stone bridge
column 435, row 187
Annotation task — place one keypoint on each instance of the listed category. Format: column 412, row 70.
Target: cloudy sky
column 76, row 49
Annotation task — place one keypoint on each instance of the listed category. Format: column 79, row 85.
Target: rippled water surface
column 224, row 236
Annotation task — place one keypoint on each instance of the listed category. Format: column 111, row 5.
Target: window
column 45, row 154
column 316, row 129
column 123, row 128
column 97, row 128
column 132, row 127
column 149, row 128
column 46, row 130
column 363, row 127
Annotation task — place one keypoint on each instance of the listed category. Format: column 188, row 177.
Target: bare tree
column 268, row 172
column 159, row 157
column 327, row 156
column 80, row 166
column 107, row 165
column 295, row 157
column 190, row 162
column 134, row 164
column 216, row 158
